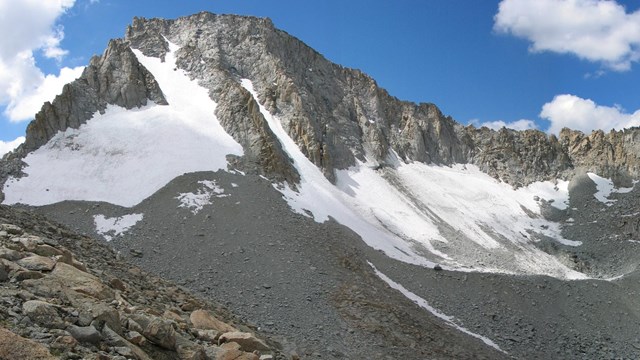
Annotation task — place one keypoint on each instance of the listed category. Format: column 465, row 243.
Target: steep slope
column 262, row 102
column 63, row 295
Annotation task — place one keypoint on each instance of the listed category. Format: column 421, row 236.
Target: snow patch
column 124, row 156
column 112, row 227
column 449, row 320
column 458, row 216
column 203, row 196
column 605, row 188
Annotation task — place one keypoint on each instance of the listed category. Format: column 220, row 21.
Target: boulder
column 64, row 342
column 43, row 314
column 47, row 250
column 135, row 337
column 15, row 347
column 202, row 319
column 11, row 229
column 37, row 263
column 247, row 341
column 11, row 255
column 229, row 351
column 22, row 275
column 188, row 350
column 85, row 334
column 170, row 315
column 117, row 341
column 161, row 333
column 81, row 281
column 28, row 242
column 103, row 314
column 207, row 335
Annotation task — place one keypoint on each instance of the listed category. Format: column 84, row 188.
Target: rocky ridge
column 67, row 296
column 336, row 115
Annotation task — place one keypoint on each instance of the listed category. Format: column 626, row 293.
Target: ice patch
column 112, row 227
column 605, row 188
column 203, row 196
column 124, row 156
column 449, row 320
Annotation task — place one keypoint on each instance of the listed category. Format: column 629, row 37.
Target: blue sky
column 520, row 63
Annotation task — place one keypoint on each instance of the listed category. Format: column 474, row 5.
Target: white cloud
column 596, row 30
column 521, row 124
column 49, row 87
column 5, row 147
column 585, row 115
column 30, row 26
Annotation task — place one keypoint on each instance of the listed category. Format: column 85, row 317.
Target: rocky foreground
column 66, row 296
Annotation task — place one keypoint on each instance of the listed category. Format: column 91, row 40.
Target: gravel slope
column 271, row 266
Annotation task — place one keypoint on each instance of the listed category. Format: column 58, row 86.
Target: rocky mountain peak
column 336, row 115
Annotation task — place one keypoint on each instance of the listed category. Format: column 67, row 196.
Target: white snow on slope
column 112, row 227
column 124, row 156
column 423, row 214
column 605, row 188
column 202, row 197
column 449, row 320
column 319, row 196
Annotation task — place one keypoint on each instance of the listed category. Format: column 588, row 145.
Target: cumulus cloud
column 595, row 30
column 32, row 28
column 49, row 87
column 585, row 115
column 5, row 147
column 521, row 124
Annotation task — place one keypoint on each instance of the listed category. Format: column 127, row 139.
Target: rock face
column 115, row 78
column 335, row 115
column 101, row 310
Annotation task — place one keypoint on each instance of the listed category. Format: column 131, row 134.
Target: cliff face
column 335, row 115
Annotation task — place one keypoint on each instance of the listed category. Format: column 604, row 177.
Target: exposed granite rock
column 334, row 114
column 115, row 78
column 13, row 346
column 337, row 115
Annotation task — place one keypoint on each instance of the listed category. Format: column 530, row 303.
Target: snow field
column 124, row 156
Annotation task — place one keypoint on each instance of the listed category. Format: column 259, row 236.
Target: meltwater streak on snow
column 124, row 156
column 449, row 320
column 110, row 227
column 316, row 194
column 605, row 188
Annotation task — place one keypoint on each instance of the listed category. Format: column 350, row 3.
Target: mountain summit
column 182, row 114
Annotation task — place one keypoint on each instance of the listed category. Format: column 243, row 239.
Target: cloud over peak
column 32, row 25
column 6, row 146
column 595, row 30
column 585, row 115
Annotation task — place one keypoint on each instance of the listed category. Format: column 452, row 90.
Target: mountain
column 218, row 145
